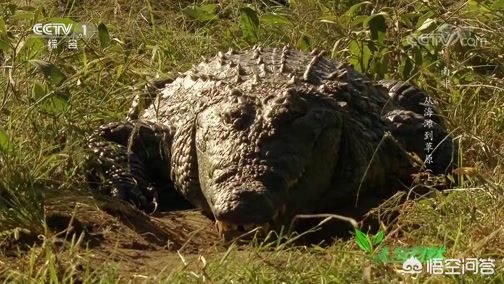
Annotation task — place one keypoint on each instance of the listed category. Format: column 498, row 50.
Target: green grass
column 52, row 99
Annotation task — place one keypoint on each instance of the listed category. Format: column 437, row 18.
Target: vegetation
column 52, row 230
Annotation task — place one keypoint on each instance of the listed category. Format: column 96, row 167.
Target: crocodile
column 257, row 136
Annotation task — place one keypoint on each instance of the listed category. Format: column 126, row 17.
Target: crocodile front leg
column 419, row 127
column 133, row 159
column 411, row 97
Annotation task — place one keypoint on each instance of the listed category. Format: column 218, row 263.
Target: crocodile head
column 264, row 157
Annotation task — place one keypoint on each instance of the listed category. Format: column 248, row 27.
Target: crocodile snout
column 244, row 208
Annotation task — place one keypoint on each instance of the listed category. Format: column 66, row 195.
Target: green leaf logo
column 378, row 238
column 365, row 242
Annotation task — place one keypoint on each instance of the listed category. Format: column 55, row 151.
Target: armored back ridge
column 255, row 137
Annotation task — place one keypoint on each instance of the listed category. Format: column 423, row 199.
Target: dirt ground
column 142, row 244
column 115, row 232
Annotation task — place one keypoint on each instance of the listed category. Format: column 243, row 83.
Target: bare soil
column 142, row 244
column 115, row 232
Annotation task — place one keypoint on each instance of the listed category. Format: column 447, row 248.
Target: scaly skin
column 248, row 136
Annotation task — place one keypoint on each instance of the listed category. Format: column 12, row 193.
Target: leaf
column 427, row 24
column 497, row 4
column 377, row 25
column 479, row 7
column 210, row 8
column 9, row 10
column 378, row 238
column 406, row 19
column 39, row 14
column 26, row 8
column 407, row 68
column 361, row 54
column 52, row 103
column 5, row 43
column 273, row 18
column 358, row 20
column 350, row 12
column 348, row 15
column 354, row 48
column 249, row 23
column 22, row 16
column 428, row 203
column 5, row 144
column 363, row 241
column 418, row 56
column 55, row 104
column 50, row 71
column 366, row 56
column 329, row 19
column 304, row 43
column 39, row 90
column 382, row 64
column 103, row 35
column 33, row 47
column 3, row 30
column 203, row 14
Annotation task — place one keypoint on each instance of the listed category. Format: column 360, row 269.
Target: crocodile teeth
column 223, row 227
column 218, row 227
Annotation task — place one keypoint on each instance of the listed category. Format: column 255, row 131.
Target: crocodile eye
column 239, row 117
column 236, row 119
